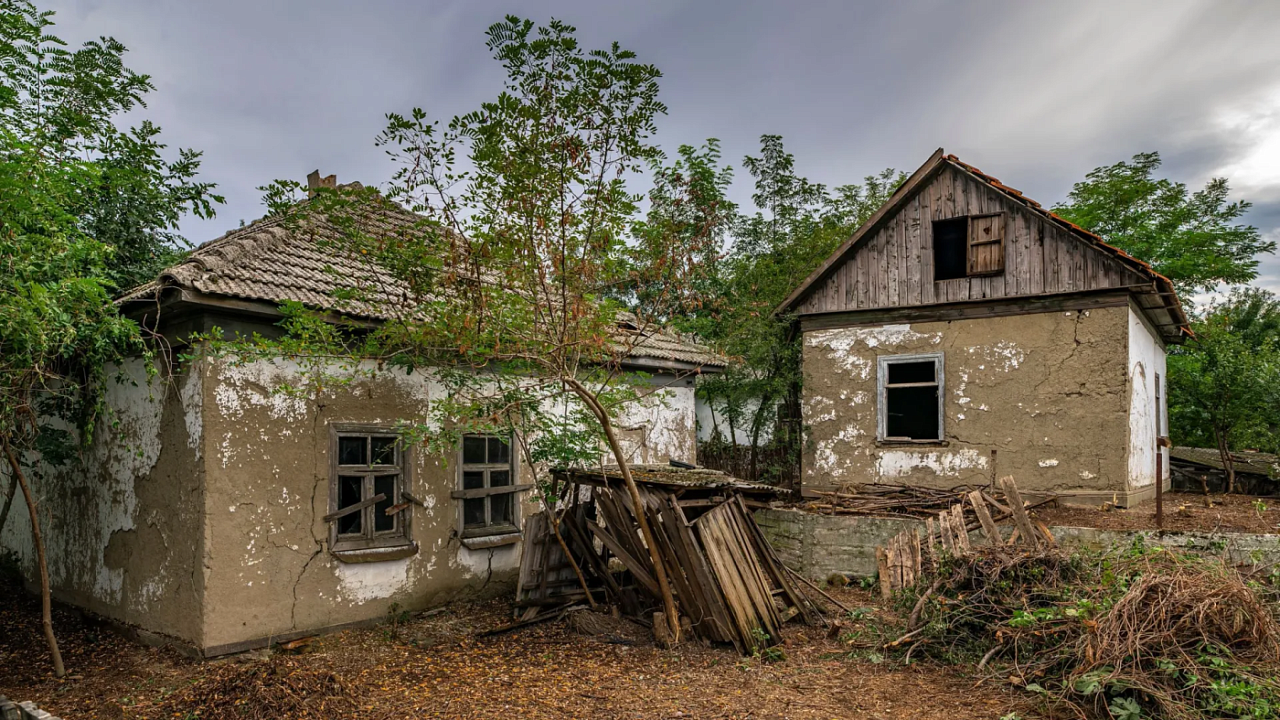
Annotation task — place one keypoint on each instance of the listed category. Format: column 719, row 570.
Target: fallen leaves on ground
column 436, row 667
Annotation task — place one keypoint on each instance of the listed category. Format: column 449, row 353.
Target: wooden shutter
column 986, row 244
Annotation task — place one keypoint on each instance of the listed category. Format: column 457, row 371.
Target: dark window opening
column 970, row 246
column 911, row 398
column 950, row 248
column 367, row 509
column 488, row 494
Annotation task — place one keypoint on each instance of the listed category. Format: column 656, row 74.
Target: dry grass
column 1180, row 637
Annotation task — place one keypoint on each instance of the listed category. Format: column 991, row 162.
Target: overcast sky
column 1035, row 93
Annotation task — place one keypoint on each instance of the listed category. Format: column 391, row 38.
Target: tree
column 1223, row 383
column 1191, row 238
column 84, row 207
column 509, row 285
column 797, row 225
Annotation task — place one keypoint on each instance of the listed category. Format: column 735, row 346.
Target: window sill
column 375, row 554
column 485, row 542
column 913, row 443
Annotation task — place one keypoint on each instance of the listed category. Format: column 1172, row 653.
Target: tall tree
column 797, row 224
column 1224, row 385
column 506, row 283
column 84, row 208
column 1193, row 238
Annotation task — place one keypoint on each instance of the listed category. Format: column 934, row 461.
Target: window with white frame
column 487, row 486
column 909, row 402
column 366, row 481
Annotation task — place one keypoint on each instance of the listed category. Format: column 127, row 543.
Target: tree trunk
column 757, row 422
column 8, row 501
column 1224, row 453
column 45, row 595
column 659, row 570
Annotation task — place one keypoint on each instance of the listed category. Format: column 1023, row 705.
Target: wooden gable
column 1014, row 251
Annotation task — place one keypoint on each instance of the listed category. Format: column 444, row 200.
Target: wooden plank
column 958, row 526
column 486, row 492
column 351, row 509
column 638, row 570
column 989, row 528
column 737, row 600
column 753, row 575
column 773, row 565
column 1020, row 517
column 708, row 589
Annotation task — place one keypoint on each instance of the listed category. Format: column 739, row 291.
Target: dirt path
column 435, row 667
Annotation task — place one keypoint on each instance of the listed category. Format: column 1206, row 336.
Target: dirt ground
column 1182, row 511
column 436, row 666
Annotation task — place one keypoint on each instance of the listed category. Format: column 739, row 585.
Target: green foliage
column 526, row 275
column 1190, row 237
column 797, row 224
column 1224, row 384
column 1106, row 634
column 85, row 208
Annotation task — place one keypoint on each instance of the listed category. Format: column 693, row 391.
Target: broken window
column 367, row 507
column 910, row 398
column 970, row 246
column 487, row 486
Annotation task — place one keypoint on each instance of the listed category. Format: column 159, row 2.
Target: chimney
column 314, row 181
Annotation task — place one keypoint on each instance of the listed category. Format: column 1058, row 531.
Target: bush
column 1123, row 634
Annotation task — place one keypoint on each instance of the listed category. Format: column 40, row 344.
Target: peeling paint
column 901, row 463
column 363, row 582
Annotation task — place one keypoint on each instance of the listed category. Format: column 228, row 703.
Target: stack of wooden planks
column 948, row 531
column 729, row 585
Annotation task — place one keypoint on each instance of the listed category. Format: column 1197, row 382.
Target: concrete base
column 818, row 546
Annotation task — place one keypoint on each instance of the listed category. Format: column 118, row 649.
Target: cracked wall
column 267, row 566
column 122, row 523
column 1048, row 391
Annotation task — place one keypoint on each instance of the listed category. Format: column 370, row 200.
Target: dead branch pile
column 1104, row 634
column 277, row 688
column 911, row 501
column 729, row 585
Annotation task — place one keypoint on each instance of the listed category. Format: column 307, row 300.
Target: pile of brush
column 266, row 690
column 1130, row 633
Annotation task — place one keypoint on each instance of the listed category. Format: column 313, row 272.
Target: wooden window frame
column 882, row 396
column 487, row 492
column 370, row 539
column 970, row 242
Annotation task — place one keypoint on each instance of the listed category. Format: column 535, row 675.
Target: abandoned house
column 221, row 515
column 965, row 332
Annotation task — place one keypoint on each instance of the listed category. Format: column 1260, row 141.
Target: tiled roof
column 270, row 262
column 1245, row 461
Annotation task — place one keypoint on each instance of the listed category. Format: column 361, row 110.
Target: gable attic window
column 909, row 398
column 969, row 246
column 367, row 475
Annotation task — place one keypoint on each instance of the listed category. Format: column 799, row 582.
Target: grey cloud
column 1035, row 93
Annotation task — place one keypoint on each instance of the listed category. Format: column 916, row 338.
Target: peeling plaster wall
column 1048, row 391
column 662, row 426
column 267, row 566
column 122, row 524
column 1146, row 361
